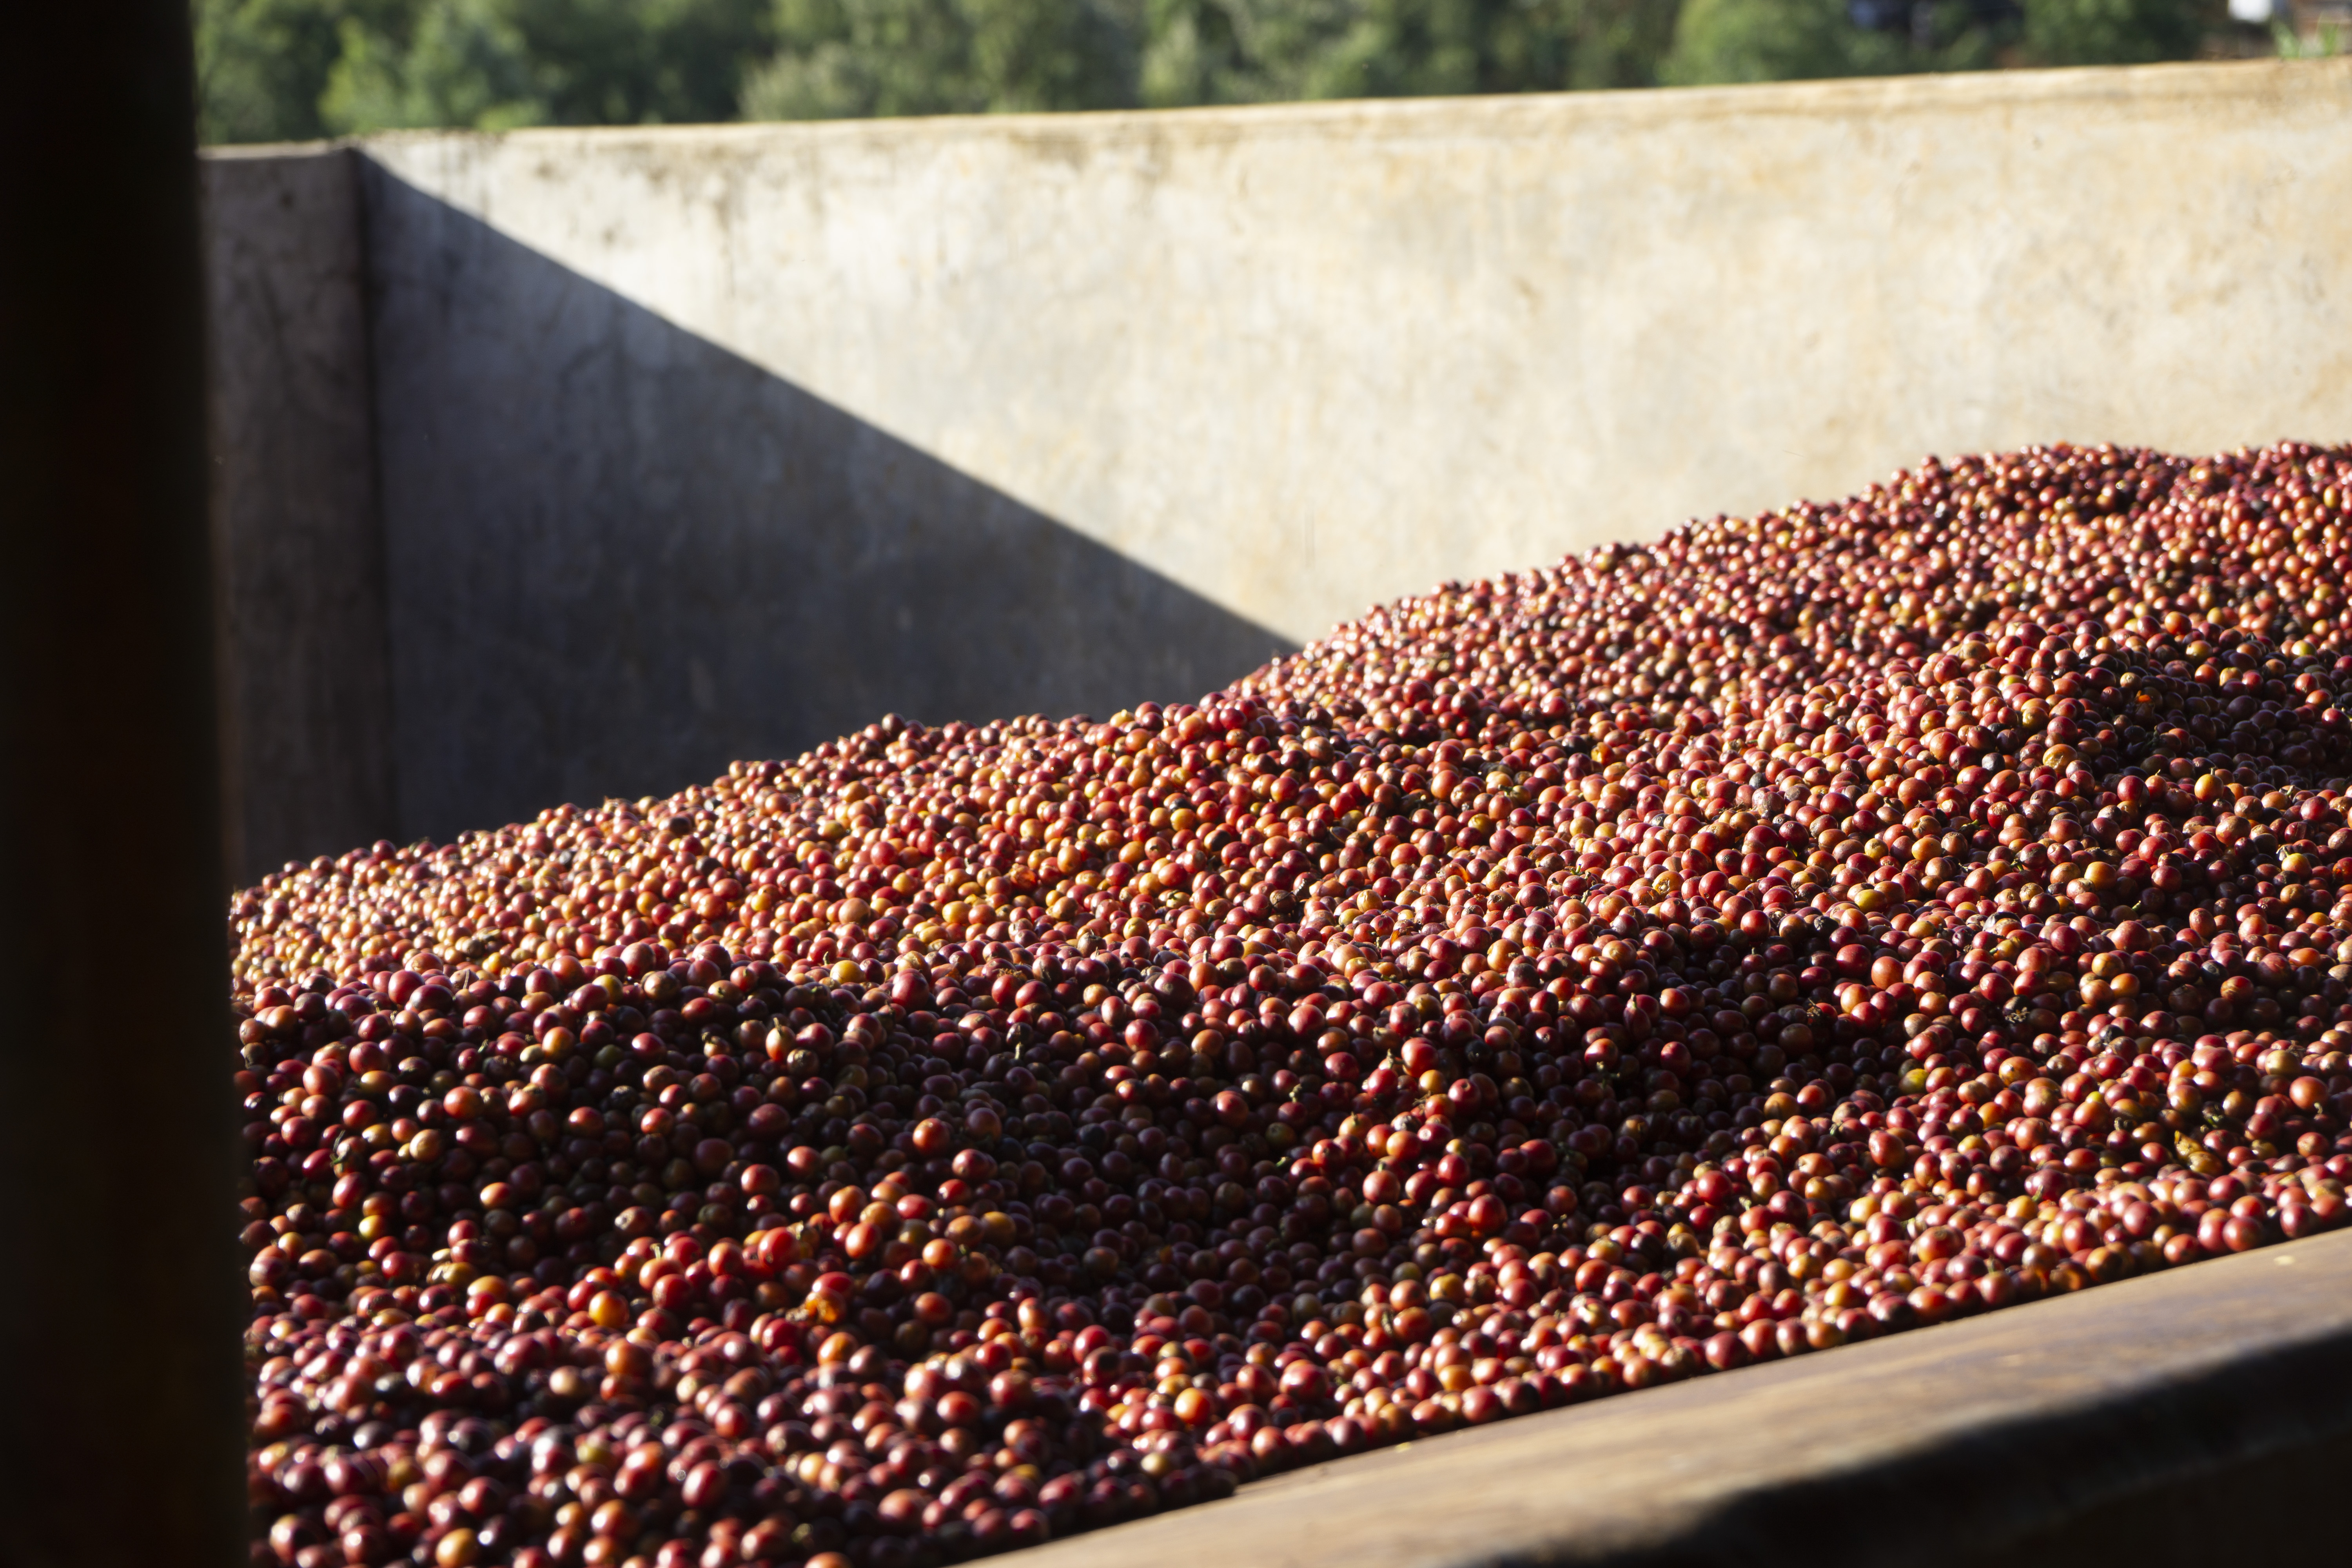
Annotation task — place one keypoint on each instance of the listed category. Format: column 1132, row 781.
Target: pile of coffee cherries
column 1792, row 931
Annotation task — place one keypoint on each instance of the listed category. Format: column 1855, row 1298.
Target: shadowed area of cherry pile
column 1795, row 930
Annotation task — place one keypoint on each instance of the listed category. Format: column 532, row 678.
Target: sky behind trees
column 294, row 69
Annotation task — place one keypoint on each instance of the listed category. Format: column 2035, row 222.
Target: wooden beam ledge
column 2200, row 1415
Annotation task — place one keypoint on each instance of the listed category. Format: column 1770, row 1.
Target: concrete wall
column 306, row 691
column 621, row 555
column 701, row 442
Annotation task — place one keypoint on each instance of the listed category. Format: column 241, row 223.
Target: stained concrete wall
column 708, row 441
column 620, row 555
column 306, row 691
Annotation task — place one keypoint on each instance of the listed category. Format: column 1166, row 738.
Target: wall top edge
column 235, row 152
column 2244, row 83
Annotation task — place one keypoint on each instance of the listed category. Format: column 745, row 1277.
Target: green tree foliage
column 1248, row 51
column 262, row 65
column 1796, row 40
column 2114, row 32
column 895, row 57
column 843, row 58
column 277, row 70
column 1789, row 40
column 461, row 63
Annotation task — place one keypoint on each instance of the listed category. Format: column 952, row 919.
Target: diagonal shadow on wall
column 620, row 556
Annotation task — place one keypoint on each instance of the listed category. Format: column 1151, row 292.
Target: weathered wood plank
column 2203, row 1415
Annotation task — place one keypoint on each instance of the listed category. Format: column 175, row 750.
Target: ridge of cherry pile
column 1793, row 930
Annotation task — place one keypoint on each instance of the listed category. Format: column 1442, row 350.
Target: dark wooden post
column 118, row 1284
